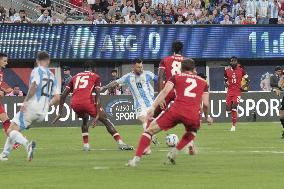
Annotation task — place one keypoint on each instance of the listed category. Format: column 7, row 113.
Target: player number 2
column 187, row 91
column 81, row 82
column 176, row 67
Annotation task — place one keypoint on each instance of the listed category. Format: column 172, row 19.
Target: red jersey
column 189, row 89
column 171, row 65
column 82, row 86
column 234, row 79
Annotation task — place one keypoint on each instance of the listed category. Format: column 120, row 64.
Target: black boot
column 282, row 137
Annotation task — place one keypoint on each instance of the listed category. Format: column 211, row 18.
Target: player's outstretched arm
column 161, row 76
column 110, row 85
column 62, row 100
column 55, row 99
column 205, row 100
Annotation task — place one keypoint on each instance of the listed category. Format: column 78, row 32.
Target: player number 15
column 81, row 82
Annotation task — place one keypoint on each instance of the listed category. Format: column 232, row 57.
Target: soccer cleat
column 155, row 140
column 3, row 157
column 133, row 162
column 171, row 157
column 282, row 137
column 192, row 150
column 233, row 128
column 31, row 149
column 86, row 147
column 125, row 147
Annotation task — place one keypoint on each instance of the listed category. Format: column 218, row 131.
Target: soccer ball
column 171, row 140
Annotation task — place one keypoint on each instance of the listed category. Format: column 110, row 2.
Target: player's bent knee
column 281, row 114
column 153, row 128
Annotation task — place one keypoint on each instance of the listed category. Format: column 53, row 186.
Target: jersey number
column 81, row 82
column 192, row 85
column 48, row 84
column 139, row 85
column 176, row 67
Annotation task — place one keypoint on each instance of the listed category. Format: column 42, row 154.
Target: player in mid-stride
column 83, row 103
column 43, row 93
column 191, row 90
column 233, row 76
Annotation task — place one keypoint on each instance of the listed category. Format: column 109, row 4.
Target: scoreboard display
column 150, row 42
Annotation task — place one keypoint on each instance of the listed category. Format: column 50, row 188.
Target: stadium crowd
column 178, row 12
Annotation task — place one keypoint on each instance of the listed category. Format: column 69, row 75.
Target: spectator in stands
column 223, row 13
column 251, row 6
column 45, row 5
column 44, row 18
column 113, row 9
column 66, row 77
column 168, row 19
column 22, row 18
column 159, row 20
column 274, row 10
column 2, row 93
column 275, row 79
column 114, row 90
column 262, row 12
column 132, row 19
column 118, row 14
column 138, row 6
column 100, row 19
column 121, row 20
column 236, row 7
column 240, row 18
column 190, row 20
column 281, row 21
column 96, row 7
column 128, row 8
column 104, row 6
column 142, row 19
column 180, row 20
column 249, row 20
column 16, row 92
column 144, row 12
column 226, row 20
column 112, row 20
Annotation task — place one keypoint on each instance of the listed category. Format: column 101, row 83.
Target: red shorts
column 2, row 109
column 169, row 98
column 171, row 117
column 233, row 99
column 84, row 109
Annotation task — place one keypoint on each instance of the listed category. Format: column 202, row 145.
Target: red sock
column 85, row 138
column 6, row 125
column 186, row 138
column 144, row 142
column 116, row 137
column 234, row 117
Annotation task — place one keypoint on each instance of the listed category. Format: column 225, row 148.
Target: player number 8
column 176, row 67
column 193, row 85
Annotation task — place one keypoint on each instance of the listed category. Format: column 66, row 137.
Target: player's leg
column 229, row 104
column 234, row 114
column 85, row 133
column 164, row 122
column 19, row 123
column 112, row 131
column 281, row 115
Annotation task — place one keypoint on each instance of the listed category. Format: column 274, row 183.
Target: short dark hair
column 234, row 58
column 42, row 55
column 177, row 47
column 3, row 55
column 137, row 61
column 89, row 66
column 187, row 65
column 113, row 71
column 22, row 11
column 278, row 68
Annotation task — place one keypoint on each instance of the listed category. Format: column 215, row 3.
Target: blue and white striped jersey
column 140, row 87
column 47, row 86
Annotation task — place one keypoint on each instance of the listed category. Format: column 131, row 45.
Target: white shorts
column 142, row 112
column 25, row 119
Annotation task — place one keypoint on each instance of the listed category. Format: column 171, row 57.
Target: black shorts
column 282, row 104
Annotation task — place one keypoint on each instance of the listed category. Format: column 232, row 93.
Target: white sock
column 120, row 142
column 136, row 158
column 16, row 136
column 8, row 147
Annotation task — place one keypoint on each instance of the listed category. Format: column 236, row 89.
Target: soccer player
column 233, row 76
column 191, row 90
column 169, row 66
column 3, row 115
column 43, row 93
column 139, row 82
column 82, row 85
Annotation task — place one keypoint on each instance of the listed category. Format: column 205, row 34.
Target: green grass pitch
column 250, row 158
